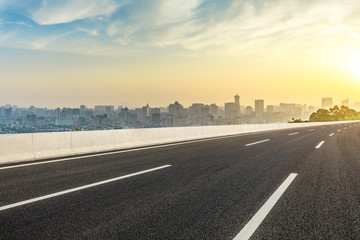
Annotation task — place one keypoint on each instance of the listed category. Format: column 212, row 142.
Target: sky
column 132, row 52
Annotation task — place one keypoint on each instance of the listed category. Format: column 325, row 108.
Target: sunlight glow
column 354, row 67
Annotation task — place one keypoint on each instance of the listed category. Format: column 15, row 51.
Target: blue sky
column 121, row 28
column 71, row 52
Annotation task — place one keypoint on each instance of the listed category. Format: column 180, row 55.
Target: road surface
column 301, row 183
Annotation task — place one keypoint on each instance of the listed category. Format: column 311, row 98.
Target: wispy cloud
column 55, row 12
column 174, row 11
column 197, row 26
column 90, row 32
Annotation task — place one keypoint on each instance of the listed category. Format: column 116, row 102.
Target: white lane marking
column 339, row 130
column 257, row 219
column 345, row 127
column 293, row 133
column 78, row 188
column 121, row 151
column 311, row 130
column 250, row 144
column 332, row 126
column 332, row 134
column 323, row 127
column 320, row 144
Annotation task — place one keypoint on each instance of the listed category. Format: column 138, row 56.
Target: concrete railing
column 34, row 146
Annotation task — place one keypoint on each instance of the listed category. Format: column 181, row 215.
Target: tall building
column 237, row 103
column 58, row 113
column 326, row 103
column 230, row 110
column 259, row 107
column 214, row 109
column 176, row 109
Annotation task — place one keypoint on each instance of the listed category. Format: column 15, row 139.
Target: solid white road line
column 78, row 188
column 311, row 130
column 293, row 133
column 120, row 151
column 250, row 144
column 332, row 134
column 320, row 144
column 257, row 219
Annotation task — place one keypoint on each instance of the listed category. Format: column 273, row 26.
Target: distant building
column 58, row 113
column 156, row 119
column 31, row 118
column 270, row 108
column 311, row 109
column 214, row 109
column 100, row 109
column 176, row 109
column 327, row 103
column 123, row 115
column 8, row 113
column 64, row 122
column 249, row 110
column 237, row 103
column 82, row 110
column 259, row 107
column 230, row 110
column 345, row 102
column 195, row 113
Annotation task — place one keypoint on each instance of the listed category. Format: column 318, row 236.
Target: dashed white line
column 311, row 130
column 250, row 144
column 332, row 134
column 323, row 127
column 320, row 144
column 293, row 133
column 257, row 219
column 339, row 130
column 78, row 188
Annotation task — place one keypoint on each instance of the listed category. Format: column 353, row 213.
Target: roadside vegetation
column 336, row 113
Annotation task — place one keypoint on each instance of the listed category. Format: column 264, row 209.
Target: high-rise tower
column 237, row 103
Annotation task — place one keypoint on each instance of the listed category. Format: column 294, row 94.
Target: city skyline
column 15, row 119
column 242, row 102
column 100, row 52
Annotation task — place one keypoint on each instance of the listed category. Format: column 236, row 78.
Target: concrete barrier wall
column 34, row 146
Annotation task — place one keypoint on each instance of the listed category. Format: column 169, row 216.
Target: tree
column 343, row 113
column 321, row 115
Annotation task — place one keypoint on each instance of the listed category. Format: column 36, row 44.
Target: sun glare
column 354, row 68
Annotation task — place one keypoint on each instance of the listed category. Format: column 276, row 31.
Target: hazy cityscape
column 14, row 119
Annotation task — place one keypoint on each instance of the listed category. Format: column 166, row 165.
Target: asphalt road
column 200, row 190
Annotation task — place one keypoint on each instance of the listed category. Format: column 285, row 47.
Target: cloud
column 93, row 33
column 260, row 25
column 194, row 27
column 173, row 11
column 119, row 28
column 17, row 23
column 55, row 12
